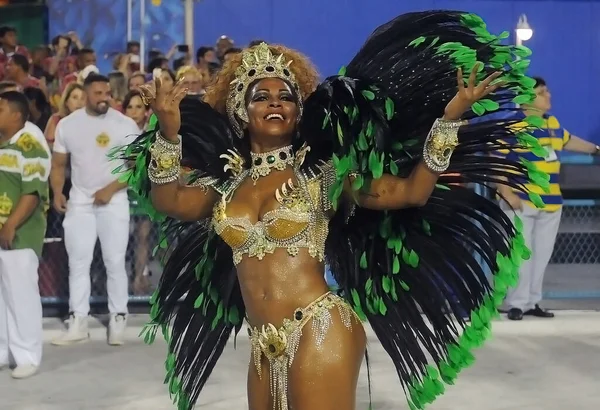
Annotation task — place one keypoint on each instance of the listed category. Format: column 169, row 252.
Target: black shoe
column 515, row 314
column 539, row 312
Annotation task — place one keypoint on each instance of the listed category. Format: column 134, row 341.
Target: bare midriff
column 274, row 287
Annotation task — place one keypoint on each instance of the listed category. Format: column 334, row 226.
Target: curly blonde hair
column 305, row 72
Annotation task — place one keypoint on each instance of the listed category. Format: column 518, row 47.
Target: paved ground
column 531, row 365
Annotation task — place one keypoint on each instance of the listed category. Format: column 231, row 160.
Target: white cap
column 87, row 71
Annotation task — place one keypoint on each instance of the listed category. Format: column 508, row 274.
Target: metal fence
column 573, row 272
column 140, row 262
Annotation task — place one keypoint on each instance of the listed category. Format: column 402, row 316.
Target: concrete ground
column 530, row 365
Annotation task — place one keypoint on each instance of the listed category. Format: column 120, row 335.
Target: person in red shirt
column 8, row 47
column 17, row 70
column 85, row 57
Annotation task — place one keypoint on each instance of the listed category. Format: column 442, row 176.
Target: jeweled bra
column 301, row 220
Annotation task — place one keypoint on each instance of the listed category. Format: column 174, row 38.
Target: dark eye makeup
column 264, row 95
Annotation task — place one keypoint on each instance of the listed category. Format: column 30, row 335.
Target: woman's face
column 272, row 109
column 193, row 82
column 136, row 111
column 136, row 81
column 75, row 101
column 166, row 80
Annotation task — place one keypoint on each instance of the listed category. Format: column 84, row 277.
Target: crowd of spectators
column 51, row 77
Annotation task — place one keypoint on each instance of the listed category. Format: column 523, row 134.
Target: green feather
column 535, row 121
column 416, row 41
column 489, row 105
column 363, row 260
column 198, row 301
column 396, row 265
column 478, row 109
column 369, row 95
column 389, row 108
column 536, row 199
column 386, row 283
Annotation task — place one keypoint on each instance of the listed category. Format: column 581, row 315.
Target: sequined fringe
column 280, row 345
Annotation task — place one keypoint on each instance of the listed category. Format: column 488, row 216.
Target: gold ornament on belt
column 273, row 342
column 258, row 62
column 280, row 345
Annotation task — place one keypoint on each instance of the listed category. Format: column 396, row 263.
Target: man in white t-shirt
column 98, row 207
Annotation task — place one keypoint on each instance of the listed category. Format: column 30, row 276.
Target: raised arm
column 392, row 192
column 183, row 202
column 168, row 195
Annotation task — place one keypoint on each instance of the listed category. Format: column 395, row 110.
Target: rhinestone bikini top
column 300, row 221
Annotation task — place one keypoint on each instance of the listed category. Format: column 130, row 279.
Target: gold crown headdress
column 257, row 63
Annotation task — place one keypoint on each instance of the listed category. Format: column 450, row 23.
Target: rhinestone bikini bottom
column 280, row 345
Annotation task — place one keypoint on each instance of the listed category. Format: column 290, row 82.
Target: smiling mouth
column 274, row 117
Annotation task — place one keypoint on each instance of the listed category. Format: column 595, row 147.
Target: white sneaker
column 116, row 329
column 77, row 331
column 24, row 371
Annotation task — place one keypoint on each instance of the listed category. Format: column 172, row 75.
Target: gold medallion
column 103, row 140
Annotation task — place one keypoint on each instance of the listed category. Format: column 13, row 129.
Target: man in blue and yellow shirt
column 540, row 225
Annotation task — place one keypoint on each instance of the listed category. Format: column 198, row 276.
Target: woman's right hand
column 165, row 104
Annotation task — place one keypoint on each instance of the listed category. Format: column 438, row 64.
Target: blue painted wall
column 102, row 24
column 565, row 43
column 566, row 39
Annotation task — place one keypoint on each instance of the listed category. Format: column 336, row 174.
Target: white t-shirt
column 89, row 139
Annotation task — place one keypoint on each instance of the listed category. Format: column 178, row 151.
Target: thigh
column 529, row 218
column 545, row 231
column 143, row 229
column 527, row 215
column 325, row 377
column 259, row 393
column 113, row 227
column 19, row 270
column 80, row 230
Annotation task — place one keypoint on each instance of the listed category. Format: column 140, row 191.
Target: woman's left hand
column 467, row 96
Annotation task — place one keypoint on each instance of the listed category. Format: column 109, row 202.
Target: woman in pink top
column 72, row 99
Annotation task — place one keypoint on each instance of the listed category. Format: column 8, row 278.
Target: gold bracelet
column 440, row 144
column 165, row 163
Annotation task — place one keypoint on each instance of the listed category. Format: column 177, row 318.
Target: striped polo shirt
column 552, row 138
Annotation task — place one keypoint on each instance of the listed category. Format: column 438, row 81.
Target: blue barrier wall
column 565, row 43
column 102, row 24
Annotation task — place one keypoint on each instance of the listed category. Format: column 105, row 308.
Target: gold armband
column 440, row 143
column 165, row 163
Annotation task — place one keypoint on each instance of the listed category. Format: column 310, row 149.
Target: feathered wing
column 414, row 273
column 198, row 302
